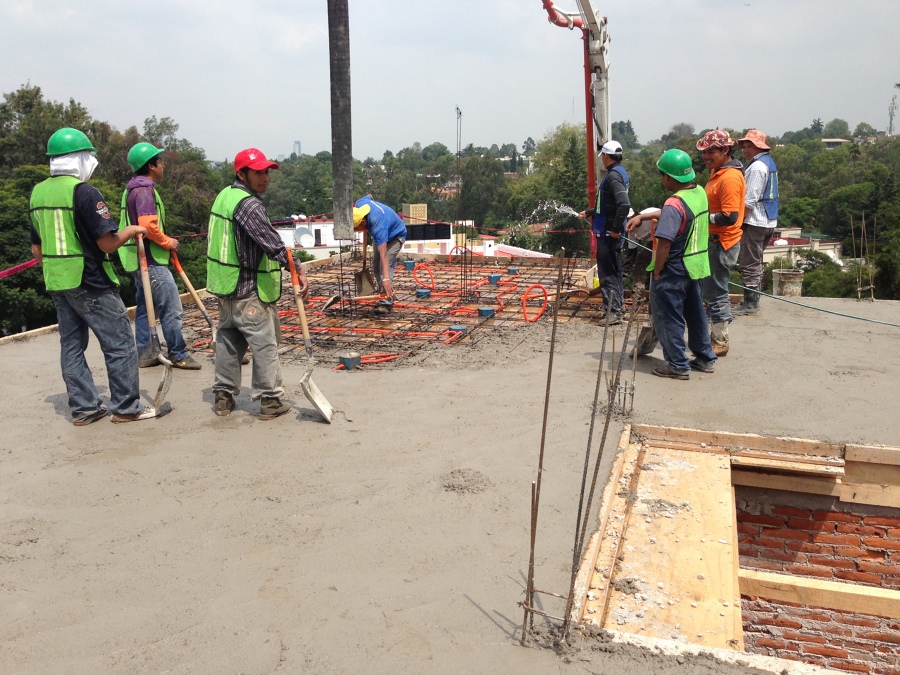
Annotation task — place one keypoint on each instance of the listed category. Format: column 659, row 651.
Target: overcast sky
column 237, row 74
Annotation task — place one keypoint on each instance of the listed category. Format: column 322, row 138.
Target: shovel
column 365, row 284
column 166, row 380
column 190, row 287
column 309, row 387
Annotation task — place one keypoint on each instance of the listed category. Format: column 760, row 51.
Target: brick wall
column 843, row 543
column 855, row 643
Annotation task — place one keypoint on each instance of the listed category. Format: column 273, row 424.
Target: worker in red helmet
column 244, row 260
column 725, row 191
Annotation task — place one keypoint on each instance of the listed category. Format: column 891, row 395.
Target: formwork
column 439, row 301
column 777, row 546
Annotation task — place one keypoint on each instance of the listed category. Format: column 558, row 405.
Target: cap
column 360, row 213
column 611, row 148
column 717, row 138
column 251, row 158
column 756, row 137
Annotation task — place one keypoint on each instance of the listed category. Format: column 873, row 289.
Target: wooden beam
column 799, row 446
column 871, row 454
column 866, row 493
column 773, row 481
column 772, row 464
column 820, row 593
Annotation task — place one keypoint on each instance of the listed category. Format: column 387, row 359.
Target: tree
column 817, row 127
column 864, row 130
column 624, row 133
column 483, row 188
column 836, row 128
column 528, row 147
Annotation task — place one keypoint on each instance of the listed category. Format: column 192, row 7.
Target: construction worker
column 388, row 232
column 725, row 191
column 72, row 235
column 244, row 261
column 141, row 205
column 680, row 263
column 607, row 225
column 760, row 215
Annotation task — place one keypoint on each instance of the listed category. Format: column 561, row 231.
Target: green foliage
column 624, row 133
column 836, row 128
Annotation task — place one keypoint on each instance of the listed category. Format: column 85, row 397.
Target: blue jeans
column 677, row 304
column 394, row 246
column 167, row 304
column 104, row 313
column 715, row 286
column 609, row 271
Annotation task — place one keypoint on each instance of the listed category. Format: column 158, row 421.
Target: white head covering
column 79, row 164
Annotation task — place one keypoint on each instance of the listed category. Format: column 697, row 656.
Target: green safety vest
column 53, row 216
column 696, row 259
column 128, row 252
column 222, row 265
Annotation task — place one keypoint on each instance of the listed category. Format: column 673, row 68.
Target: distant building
column 296, row 150
column 832, row 143
column 789, row 241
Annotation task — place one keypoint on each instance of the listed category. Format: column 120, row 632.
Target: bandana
column 79, row 164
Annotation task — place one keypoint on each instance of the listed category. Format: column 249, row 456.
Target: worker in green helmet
column 72, row 235
column 141, row 205
column 680, row 261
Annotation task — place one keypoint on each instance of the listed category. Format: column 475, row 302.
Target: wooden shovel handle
column 295, row 282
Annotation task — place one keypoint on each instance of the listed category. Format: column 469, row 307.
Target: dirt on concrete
column 234, row 545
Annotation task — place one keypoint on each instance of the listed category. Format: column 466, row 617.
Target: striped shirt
column 757, row 176
column 254, row 237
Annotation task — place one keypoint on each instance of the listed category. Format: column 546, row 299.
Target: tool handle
column 145, row 278
column 187, row 284
column 301, row 312
column 365, row 243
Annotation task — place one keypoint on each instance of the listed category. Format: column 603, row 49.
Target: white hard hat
column 611, row 148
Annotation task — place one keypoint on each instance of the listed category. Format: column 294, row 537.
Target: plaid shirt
column 255, row 236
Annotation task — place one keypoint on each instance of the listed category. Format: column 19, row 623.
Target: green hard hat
column 677, row 164
column 142, row 153
column 68, row 140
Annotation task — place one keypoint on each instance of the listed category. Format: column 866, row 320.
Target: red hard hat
column 251, row 158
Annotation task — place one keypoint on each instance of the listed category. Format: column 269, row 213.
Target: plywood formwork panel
column 676, row 571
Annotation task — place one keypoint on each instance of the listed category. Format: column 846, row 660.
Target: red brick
column 891, row 582
column 830, row 652
column 803, row 637
column 787, row 534
column 877, row 568
column 790, row 511
column 858, row 577
column 747, row 529
column 852, row 667
column 882, row 520
column 857, row 553
column 858, row 529
column 760, row 520
column 771, row 644
column 893, row 638
column 764, row 564
column 835, row 629
column 812, row 525
column 765, row 542
column 833, row 562
column 810, row 615
column 810, row 571
column 783, row 556
column 837, row 517
column 839, row 539
column 748, row 551
column 806, row 547
column 894, row 533
column 881, row 544
column 857, row 621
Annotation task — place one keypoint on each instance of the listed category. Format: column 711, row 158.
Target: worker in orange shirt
column 725, row 192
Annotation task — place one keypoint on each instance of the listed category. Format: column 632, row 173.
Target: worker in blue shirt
column 388, row 233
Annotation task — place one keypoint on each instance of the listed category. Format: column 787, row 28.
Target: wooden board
column 774, row 481
column 679, row 554
column 771, row 464
column 820, row 593
column 871, row 454
column 866, row 493
column 800, row 446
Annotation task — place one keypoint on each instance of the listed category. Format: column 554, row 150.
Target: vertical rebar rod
column 529, row 599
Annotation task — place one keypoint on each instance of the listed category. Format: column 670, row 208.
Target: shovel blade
column 646, row 341
column 365, row 284
column 164, row 384
column 312, row 393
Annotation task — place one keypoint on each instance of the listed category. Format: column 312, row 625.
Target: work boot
column 187, row 363
column 90, row 418
column 382, row 310
column 703, row 366
column 146, row 414
column 148, row 362
column 224, row 403
column 665, row 371
column 749, row 305
column 272, row 407
column 719, row 338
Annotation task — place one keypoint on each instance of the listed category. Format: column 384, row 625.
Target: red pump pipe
column 558, row 18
